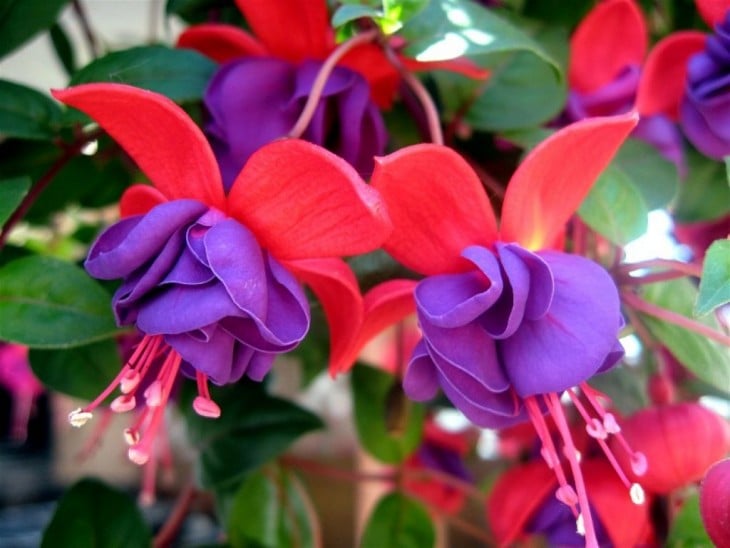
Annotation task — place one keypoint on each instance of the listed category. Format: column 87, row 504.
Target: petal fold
column 437, row 205
column 139, row 199
column 220, row 42
column 550, row 184
column 159, row 136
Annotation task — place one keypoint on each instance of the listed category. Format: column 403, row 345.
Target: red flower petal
column 518, row 493
column 220, row 42
column 715, row 503
column 437, row 205
column 290, row 29
column 304, row 202
column 611, row 36
column 552, row 181
column 663, row 78
column 383, row 79
column 164, row 142
column 336, row 287
column 139, row 199
column 712, row 11
column 384, row 305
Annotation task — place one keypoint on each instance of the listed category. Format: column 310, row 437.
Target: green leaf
column 12, row 192
column 654, row 176
column 93, row 515
column 20, row 20
column 447, row 29
column 398, row 522
column 715, row 281
column 201, row 11
column 181, row 74
column 388, row 424
column 27, row 113
column 63, row 48
column 270, row 509
column 705, row 358
column 615, row 208
column 253, row 428
column 351, row 12
column 687, row 530
column 704, row 195
column 48, row 303
column 81, row 372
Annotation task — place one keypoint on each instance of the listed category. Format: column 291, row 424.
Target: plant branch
column 689, row 269
column 91, row 40
column 315, row 94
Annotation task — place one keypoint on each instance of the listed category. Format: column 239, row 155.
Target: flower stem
column 641, row 305
column 315, row 94
column 37, row 189
column 689, row 269
column 169, row 530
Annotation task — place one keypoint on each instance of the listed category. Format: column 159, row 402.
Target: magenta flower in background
column 213, row 279
column 509, row 323
column 17, row 378
column 715, row 503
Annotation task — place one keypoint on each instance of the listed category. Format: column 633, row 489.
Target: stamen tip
column 78, row 417
column 153, row 394
column 566, row 494
column 122, row 404
column 131, row 436
column 639, row 464
column 206, row 407
column 638, row 496
column 138, row 455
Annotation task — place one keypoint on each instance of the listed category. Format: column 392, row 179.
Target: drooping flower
column 18, row 379
column 213, row 279
column 508, row 323
column 680, row 442
column 715, row 503
column 607, row 51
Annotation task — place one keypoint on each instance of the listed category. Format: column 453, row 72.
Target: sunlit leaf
column 715, row 282
column 686, row 528
column 654, row 176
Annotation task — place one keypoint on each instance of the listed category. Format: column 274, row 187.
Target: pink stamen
column 153, row 394
column 203, row 404
column 129, row 381
column 122, row 404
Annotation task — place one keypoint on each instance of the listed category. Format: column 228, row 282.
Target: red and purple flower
column 213, row 278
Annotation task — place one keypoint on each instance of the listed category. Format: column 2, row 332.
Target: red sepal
column 383, row 79
column 712, row 11
column 612, row 36
column 158, row 135
column 437, row 205
column 139, row 199
column 663, row 79
column 305, row 202
column 290, row 29
column 336, row 287
column 556, row 176
column 220, row 42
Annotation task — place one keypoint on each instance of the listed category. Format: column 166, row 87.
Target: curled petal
column 139, row 199
column 612, row 36
column 290, row 29
column 556, row 176
column 337, row 289
column 421, row 381
column 220, row 42
column 159, row 136
column 301, row 201
column 437, row 205
column 664, row 77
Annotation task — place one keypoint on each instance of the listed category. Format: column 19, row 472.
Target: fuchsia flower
column 508, row 323
column 212, row 278
column 607, row 51
column 17, row 377
column 715, row 503
column 680, row 441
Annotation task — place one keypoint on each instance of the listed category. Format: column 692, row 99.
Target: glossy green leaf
column 48, row 303
column 93, row 515
column 20, row 20
column 654, row 176
column 398, row 522
column 447, row 29
column 63, row 48
column 687, row 529
column 27, row 113
column 715, row 282
column 705, row 358
column 704, row 195
column 12, row 192
column 254, row 427
column 388, row 424
column 181, row 74
column 81, row 372
column 615, row 208
column 270, row 509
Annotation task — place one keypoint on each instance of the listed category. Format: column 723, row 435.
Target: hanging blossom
column 607, row 52
column 509, row 323
column 213, row 279
column 715, row 503
column 18, row 378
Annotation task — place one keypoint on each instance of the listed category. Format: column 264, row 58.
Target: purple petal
column 542, row 285
column 502, row 319
column 420, row 382
column 209, row 351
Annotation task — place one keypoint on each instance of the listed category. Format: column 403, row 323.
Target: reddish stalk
column 86, row 28
column 689, row 269
column 169, row 530
column 320, row 81
column 447, row 479
column 672, row 317
column 650, row 278
column 320, row 469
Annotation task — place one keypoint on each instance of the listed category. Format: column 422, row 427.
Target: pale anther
column 78, row 417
